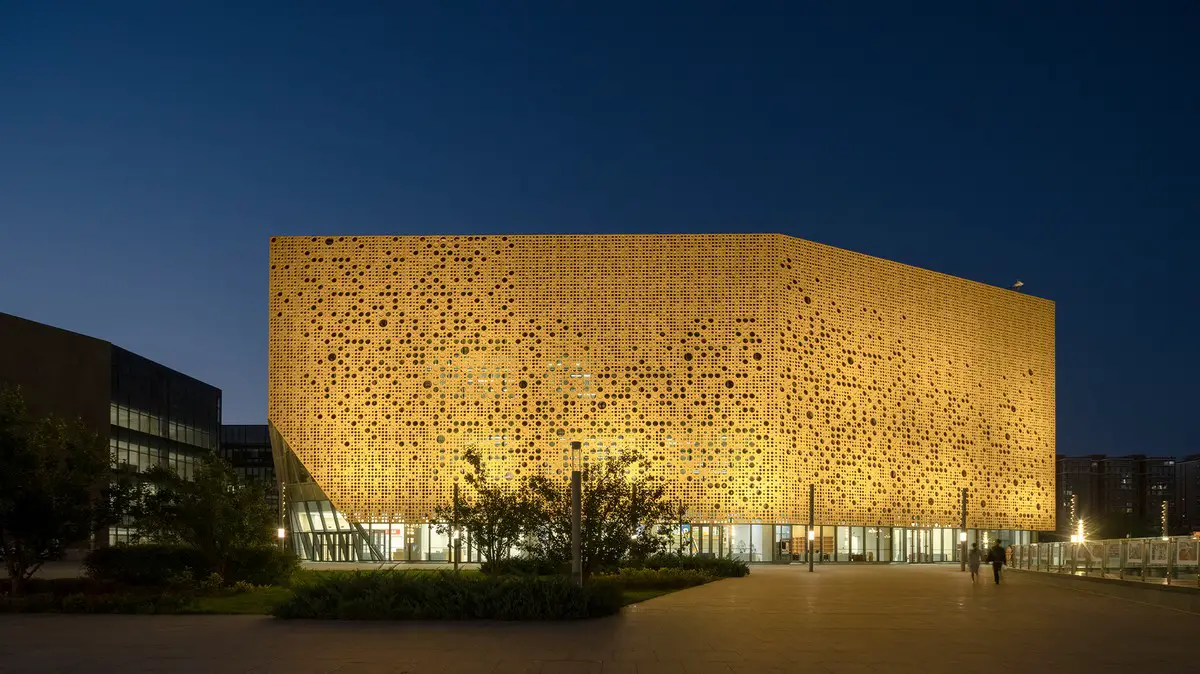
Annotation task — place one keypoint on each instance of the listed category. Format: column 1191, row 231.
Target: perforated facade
column 745, row 366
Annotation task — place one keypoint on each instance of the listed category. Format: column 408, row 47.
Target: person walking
column 973, row 559
column 998, row 558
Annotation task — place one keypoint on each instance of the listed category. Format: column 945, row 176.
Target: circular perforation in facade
column 744, row 366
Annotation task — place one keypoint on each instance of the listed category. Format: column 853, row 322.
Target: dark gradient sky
column 147, row 154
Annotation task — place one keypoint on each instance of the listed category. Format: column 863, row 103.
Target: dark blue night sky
column 148, row 152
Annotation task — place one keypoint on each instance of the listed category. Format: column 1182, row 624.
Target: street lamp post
column 576, row 518
column 812, row 491
column 454, row 526
column 962, row 534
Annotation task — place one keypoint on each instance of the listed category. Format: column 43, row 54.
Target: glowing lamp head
column 281, row 533
column 811, row 534
column 962, row 537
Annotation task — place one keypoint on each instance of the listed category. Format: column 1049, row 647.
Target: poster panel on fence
column 1134, row 552
column 1187, row 552
column 1159, row 552
column 1096, row 553
column 1112, row 555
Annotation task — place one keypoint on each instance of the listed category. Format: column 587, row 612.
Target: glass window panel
column 299, row 517
column 438, row 544
column 327, row 516
column 843, row 543
column 743, row 545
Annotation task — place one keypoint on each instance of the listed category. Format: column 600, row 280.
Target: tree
column 58, row 486
column 625, row 516
column 217, row 512
column 492, row 514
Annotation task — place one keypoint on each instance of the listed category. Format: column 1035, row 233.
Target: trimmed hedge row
column 159, row 565
column 718, row 567
column 444, row 595
column 523, row 566
column 88, row 602
column 656, row 579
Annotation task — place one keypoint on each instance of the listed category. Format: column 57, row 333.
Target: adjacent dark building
column 1080, row 484
column 247, row 447
column 1187, row 492
column 150, row 414
column 1131, row 488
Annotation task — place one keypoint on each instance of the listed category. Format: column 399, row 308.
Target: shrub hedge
column 656, row 579
column 717, row 567
column 87, row 602
column 444, row 595
column 523, row 566
column 158, row 565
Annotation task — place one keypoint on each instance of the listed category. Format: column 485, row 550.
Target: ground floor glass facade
column 319, row 533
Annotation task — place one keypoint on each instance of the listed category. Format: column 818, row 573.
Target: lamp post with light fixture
column 962, row 534
column 455, row 549
column 812, row 490
column 576, row 515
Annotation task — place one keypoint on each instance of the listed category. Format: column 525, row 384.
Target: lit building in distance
column 745, row 366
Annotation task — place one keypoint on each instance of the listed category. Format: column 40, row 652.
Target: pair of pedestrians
column 997, row 556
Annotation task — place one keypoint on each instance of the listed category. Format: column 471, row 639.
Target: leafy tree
column 58, row 486
column 217, row 512
column 492, row 514
column 625, row 516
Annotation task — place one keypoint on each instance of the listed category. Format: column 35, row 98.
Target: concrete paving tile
column 846, row 619
column 572, row 667
column 660, row 667
column 517, row 667
column 706, row 667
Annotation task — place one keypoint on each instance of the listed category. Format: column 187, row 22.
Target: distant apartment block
column 1135, row 486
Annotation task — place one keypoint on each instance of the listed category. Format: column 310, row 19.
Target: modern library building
column 748, row 369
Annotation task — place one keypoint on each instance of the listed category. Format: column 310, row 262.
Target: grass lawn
column 635, row 596
column 258, row 601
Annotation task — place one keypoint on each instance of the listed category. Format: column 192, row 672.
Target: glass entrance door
column 708, row 540
column 919, row 543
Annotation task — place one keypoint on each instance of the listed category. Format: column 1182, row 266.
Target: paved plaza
column 779, row 619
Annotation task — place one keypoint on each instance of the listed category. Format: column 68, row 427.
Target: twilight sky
column 148, row 151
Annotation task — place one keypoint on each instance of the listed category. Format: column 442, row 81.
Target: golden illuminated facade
column 746, row 367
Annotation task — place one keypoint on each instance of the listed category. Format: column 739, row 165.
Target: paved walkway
column 779, row 619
